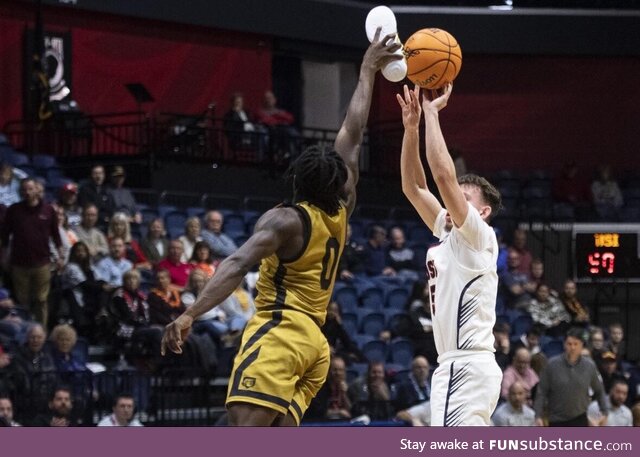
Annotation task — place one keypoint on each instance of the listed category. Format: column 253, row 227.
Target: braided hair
column 319, row 175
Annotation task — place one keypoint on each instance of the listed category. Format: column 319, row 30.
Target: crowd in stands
column 86, row 265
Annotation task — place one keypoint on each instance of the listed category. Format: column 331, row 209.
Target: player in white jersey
column 463, row 282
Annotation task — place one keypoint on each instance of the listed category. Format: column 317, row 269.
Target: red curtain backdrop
column 184, row 68
column 182, row 77
column 538, row 112
column 11, row 54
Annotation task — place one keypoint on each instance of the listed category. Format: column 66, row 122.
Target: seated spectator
column 371, row 396
column 68, row 200
column 238, row 308
column 548, row 313
column 421, row 332
column 64, row 338
column 415, row 389
column 164, row 300
column 35, row 369
column 242, row 132
column 570, row 187
column 130, row 309
column 569, row 298
column 596, row 342
column 513, row 282
column 94, row 191
column 60, row 410
column 83, row 292
column 190, row 238
column 221, row 245
column 515, row 411
column 332, row 402
column 155, row 245
column 536, row 277
column 418, row 415
column 339, row 340
column 178, row 269
column 8, row 380
column 123, row 413
column 399, row 258
column 520, row 371
column 6, row 411
column 110, row 269
column 609, row 368
column 519, row 244
column 352, row 259
column 202, row 258
column 67, row 236
column 123, row 199
column 282, row 133
column 9, row 185
column 119, row 226
column 90, row 234
column 502, row 344
column 616, row 342
column 607, row 196
column 530, row 340
column 374, row 252
column 619, row 414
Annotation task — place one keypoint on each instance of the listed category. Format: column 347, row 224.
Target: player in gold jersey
column 284, row 358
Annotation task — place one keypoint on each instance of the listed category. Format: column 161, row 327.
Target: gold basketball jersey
column 305, row 283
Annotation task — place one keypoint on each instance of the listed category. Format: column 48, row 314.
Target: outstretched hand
column 175, row 333
column 381, row 51
column 410, row 105
column 437, row 99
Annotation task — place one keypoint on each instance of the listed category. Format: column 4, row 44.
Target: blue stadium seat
column 361, row 339
column 553, row 348
column 234, row 223
column 372, row 298
column 397, row 298
column 163, row 210
column 195, row 211
column 521, row 324
column 372, row 323
column 347, row 298
column 174, row 220
column 420, row 234
column 401, row 352
column 350, row 322
column 44, row 161
column 375, row 351
column 17, row 159
column 149, row 214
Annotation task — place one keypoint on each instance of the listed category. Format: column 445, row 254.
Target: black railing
column 172, row 397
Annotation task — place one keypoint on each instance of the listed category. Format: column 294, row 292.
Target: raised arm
column 347, row 144
column 414, row 181
column 275, row 232
column 440, row 162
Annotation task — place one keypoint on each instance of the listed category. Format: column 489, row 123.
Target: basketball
column 433, row 57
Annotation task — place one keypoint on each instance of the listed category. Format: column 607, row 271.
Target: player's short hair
column 490, row 194
column 319, row 175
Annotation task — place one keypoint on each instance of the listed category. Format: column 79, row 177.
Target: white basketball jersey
column 463, row 284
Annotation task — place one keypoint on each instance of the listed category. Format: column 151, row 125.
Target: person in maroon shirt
column 178, row 270
column 282, row 134
column 30, row 224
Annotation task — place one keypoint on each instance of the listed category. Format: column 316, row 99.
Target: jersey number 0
column 329, row 263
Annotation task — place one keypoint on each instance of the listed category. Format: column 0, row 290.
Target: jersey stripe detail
column 235, row 388
column 306, row 234
column 466, row 310
column 456, row 381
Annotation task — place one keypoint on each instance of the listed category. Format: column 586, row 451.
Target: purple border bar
column 307, row 441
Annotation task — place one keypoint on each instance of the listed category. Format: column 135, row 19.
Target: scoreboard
column 606, row 252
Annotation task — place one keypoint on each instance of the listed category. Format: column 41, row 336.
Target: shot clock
column 606, row 252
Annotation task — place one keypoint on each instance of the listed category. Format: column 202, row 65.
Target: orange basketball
column 433, row 57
